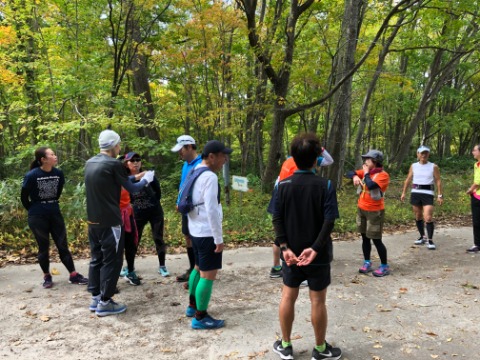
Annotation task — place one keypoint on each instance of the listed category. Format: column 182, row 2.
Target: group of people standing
column 304, row 209
column 122, row 199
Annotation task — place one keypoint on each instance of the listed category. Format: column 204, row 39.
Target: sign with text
column 239, row 183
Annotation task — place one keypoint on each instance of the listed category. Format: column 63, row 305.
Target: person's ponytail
column 40, row 153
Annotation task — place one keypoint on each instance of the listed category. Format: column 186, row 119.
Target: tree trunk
column 342, row 99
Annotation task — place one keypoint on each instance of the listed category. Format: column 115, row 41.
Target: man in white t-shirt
column 205, row 227
column 424, row 175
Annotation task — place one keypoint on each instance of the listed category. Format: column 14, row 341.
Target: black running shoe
column 285, row 353
column 276, row 272
column 78, row 279
column 184, row 277
column 329, row 353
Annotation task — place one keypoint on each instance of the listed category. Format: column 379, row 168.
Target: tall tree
column 342, row 99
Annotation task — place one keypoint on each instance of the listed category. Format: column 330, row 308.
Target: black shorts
column 419, row 199
column 318, row 276
column 205, row 256
column 185, row 225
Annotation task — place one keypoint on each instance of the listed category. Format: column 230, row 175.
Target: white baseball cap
column 423, row 148
column 182, row 141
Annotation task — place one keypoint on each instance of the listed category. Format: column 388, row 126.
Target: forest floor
column 428, row 308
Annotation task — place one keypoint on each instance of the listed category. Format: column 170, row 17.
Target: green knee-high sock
column 193, row 282
column 203, row 293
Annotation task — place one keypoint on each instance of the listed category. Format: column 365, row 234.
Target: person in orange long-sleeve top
column 372, row 182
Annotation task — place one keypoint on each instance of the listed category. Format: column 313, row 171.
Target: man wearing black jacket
column 305, row 212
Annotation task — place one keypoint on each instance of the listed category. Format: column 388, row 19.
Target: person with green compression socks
column 205, row 227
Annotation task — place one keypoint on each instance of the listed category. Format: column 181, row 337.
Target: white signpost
column 239, row 183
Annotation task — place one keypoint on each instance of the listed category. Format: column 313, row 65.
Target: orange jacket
column 365, row 201
column 288, row 168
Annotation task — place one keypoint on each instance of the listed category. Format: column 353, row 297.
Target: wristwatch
column 283, row 247
column 440, row 196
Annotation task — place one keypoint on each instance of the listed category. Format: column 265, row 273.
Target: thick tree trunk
column 141, row 87
column 276, row 142
column 339, row 131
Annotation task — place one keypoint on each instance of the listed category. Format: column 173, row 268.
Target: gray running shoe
column 94, row 303
column 109, row 307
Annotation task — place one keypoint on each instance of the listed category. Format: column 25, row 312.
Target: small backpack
column 185, row 204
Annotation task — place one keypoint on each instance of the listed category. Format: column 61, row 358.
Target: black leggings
column 475, row 204
column 130, row 246
column 157, row 223
column 44, row 225
column 367, row 248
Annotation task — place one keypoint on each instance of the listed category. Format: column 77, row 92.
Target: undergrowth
column 246, row 222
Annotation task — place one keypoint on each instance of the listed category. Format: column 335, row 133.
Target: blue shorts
column 318, row 276
column 205, row 256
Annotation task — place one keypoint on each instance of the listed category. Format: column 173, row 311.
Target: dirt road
column 427, row 309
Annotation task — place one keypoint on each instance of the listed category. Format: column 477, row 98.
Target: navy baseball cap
column 215, row 147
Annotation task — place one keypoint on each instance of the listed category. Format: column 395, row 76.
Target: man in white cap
column 104, row 177
column 187, row 150
column 424, row 175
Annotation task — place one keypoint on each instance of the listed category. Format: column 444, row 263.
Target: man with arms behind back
column 304, row 216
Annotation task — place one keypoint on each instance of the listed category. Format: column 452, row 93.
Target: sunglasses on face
column 135, row 160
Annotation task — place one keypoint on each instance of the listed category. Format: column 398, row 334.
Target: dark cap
column 130, row 155
column 375, row 155
column 215, row 147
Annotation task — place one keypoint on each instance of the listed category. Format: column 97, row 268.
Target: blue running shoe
column 207, row 323
column 383, row 270
column 190, row 312
column 124, row 272
column 109, row 307
column 162, row 270
column 366, row 267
